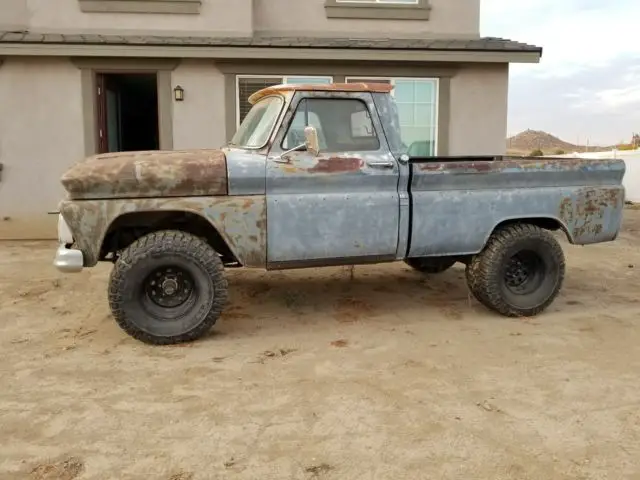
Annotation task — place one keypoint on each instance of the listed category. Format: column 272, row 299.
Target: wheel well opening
column 547, row 223
column 129, row 227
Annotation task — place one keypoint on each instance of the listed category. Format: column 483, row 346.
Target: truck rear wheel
column 520, row 271
column 167, row 287
column 431, row 264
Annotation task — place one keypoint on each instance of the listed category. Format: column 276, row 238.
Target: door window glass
column 343, row 125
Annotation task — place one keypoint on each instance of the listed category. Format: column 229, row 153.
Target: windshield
column 258, row 124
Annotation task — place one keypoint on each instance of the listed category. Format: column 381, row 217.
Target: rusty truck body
column 318, row 175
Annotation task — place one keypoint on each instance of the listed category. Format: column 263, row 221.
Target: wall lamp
column 178, row 93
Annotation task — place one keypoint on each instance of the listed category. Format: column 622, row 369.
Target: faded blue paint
column 335, row 206
column 246, row 171
column 457, row 205
column 387, row 111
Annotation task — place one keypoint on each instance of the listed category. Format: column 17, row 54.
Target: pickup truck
column 318, row 175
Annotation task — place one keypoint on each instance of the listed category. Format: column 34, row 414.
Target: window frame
column 377, row 9
column 436, row 103
column 284, row 79
column 175, row 7
column 308, row 98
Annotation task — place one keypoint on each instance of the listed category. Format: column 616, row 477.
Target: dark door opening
column 127, row 112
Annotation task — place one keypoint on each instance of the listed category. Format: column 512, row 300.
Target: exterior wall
column 451, row 18
column 40, row 137
column 454, row 18
column 216, row 17
column 478, row 110
column 14, row 15
column 199, row 121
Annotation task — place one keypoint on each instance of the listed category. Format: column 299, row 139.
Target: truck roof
column 321, row 87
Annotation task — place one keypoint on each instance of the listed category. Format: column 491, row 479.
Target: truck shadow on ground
column 276, row 300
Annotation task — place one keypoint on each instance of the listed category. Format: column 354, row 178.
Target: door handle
column 381, row 164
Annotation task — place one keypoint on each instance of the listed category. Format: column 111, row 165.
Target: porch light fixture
column 178, row 93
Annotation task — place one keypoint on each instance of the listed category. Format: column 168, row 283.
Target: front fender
column 240, row 221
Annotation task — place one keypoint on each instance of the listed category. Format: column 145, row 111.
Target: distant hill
column 525, row 142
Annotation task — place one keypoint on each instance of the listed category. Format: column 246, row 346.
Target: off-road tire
column 133, row 306
column 486, row 272
column 431, row 265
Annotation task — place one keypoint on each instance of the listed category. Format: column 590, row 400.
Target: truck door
column 341, row 206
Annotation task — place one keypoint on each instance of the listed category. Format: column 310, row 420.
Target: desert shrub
column 536, row 153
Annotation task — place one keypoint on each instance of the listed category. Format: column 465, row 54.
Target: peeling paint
column 329, row 87
column 240, row 221
column 148, row 174
column 336, row 165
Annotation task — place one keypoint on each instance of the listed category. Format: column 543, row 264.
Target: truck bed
column 456, row 202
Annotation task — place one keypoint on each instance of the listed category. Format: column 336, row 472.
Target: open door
column 127, row 112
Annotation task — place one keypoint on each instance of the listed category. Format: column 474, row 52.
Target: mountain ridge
column 528, row 140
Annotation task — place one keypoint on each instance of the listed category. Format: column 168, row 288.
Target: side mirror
column 311, row 140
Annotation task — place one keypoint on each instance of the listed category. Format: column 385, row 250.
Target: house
column 79, row 77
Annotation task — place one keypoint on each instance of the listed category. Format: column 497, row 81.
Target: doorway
column 127, row 106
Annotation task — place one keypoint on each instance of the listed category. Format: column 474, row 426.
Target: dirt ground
column 312, row 374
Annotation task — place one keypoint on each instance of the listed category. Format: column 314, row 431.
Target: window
column 343, row 125
column 259, row 122
column 247, row 85
column 141, row 6
column 418, row 111
column 378, row 9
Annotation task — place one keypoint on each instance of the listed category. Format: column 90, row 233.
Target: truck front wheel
column 167, row 287
column 520, row 271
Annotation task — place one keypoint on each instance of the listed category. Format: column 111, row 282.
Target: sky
column 587, row 85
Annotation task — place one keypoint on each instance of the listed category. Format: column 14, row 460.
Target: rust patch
column 244, row 231
column 584, row 213
column 501, row 164
column 469, row 167
column 337, row 165
column 331, row 87
column 148, row 174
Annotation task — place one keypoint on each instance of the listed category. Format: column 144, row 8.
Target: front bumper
column 68, row 260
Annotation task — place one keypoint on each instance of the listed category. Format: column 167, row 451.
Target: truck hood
column 180, row 173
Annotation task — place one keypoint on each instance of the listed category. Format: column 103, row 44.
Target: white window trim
column 284, row 80
column 437, row 98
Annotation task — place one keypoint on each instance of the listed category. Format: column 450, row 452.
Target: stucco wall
column 307, row 18
column 14, row 14
column 228, row 17
column 241, row 17
column 199, row 121
column 40, row 136
column 478, row 114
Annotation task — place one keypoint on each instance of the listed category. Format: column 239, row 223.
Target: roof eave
column 271, row 53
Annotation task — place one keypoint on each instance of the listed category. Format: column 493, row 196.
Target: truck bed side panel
column 456, row 205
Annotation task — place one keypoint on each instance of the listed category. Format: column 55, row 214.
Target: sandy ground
column 312, row 374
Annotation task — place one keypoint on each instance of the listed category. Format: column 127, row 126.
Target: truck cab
column 319, row 175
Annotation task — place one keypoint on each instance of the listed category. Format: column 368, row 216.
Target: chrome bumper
column 68, row 260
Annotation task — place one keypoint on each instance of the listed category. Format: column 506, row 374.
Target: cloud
column 576, row 35
column 587, row 85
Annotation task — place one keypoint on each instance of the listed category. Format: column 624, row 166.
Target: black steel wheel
column 520, row 272
column 431, row 265
column 167, row 287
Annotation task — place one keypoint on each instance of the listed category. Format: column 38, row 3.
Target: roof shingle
column 485, row 44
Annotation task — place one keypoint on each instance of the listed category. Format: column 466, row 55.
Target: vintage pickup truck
column 318, row 175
